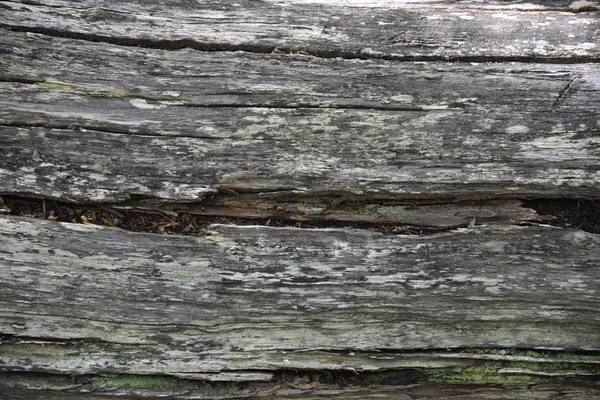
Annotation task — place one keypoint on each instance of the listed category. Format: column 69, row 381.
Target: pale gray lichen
column 581, row 6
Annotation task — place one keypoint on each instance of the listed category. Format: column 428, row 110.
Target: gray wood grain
column 289, row 123
column 244, row 106
column 100, row 300
column 431, row 392
column 329, row 29
column 560, row 391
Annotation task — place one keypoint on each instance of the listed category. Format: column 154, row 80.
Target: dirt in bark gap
column 565, row 213
column 168, row 222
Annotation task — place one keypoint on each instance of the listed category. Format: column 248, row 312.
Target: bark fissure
column 564, row 91
column 397, row 383
column 155, row 215
column 179, row 44
column 101, row 129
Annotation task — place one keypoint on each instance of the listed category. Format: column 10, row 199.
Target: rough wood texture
column 243, row 302
column 307, row 111
column 82, row 122
column 410, row 392
column 433, row 392
column 289, row 294
column 396, row 31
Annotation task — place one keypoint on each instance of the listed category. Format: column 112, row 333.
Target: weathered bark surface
column 396, row 31
column 300, row 111
column 82, row 122
column 244, row 302
column 240, row 297
column 432, row 392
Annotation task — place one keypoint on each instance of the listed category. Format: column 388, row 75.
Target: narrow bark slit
column 179, row 44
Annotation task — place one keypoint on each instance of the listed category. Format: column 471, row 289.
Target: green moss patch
column 492, row 372
column 152, row 382
column 310, row 210
column 390, row 212
column 481, row 374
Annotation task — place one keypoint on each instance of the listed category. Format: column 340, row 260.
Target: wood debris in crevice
column 569, row 213
column 409, row 218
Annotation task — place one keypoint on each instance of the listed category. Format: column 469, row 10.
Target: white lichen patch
column 431, row 107
column 517, row 129
column 370, row 52
column 512, row 17
column 402, row 98
column 579, row 6
column 582, row 49
column 181, row 191
column 428, row 119
column 26, row 181
column 464, row 16
column 579, row 21
column 560, row 148
column 144, row 105
column 483, row 172
column 171, row 93
column 82, row 227
column 171, row 103
column 472, row 141
column 313, row 164
column 558, row 128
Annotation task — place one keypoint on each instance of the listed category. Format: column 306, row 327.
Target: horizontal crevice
column 6, row 338
column 299, row 106
column 286, row 382
column 27, row 81
column 178, row 44
column 567, row 354
column 110, row 130
column 165, row 221
column 184, row 218
column 569, row 213
column 538, row 355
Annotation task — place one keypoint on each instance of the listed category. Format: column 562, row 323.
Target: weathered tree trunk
column 334, row 201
